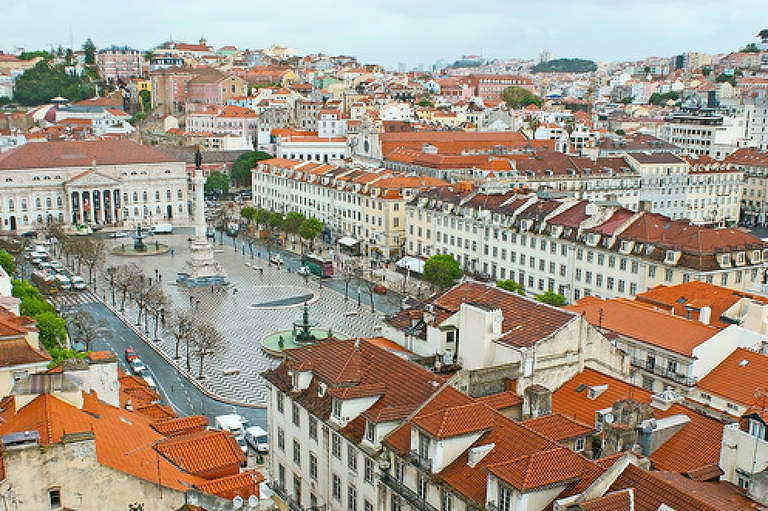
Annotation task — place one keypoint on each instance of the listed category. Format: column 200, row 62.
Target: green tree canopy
column 261, row 217
column 29, row 55
column 7, row 262
column 551, row 298
column 310, row 228
column 426, row 103
column 726, row 78
column 216, row 183
column 275, row 220
column 442, row 270
column 90, row 51
column 53, row 329
column 706, row 71
column 43, row 82
column 519, row 97
column 660, row 99
column 763, row 35
column 146, row 100
column 292, row 222
column 248, row 213
column 565, row 66
column 627, row 100
column 511, row 285
column 241, row 168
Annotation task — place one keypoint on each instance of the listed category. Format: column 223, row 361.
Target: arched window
column 48, row 203
column 38, row 203
column 135, row 197
column 144, row 196
column 168, row 194
column 10, row 204
column 179, row 194
column 157, row 195
column 58, row 202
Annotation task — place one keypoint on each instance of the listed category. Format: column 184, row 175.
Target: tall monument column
column 201, row 269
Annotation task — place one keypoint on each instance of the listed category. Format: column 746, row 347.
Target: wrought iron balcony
column 659, row 370
column 420, row 460
column 410, row 496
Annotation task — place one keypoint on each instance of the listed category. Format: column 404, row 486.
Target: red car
column 130, row 355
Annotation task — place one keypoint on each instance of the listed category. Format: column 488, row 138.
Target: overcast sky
column 394, row 31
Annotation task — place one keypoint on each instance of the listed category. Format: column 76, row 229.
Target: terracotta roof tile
column 502, row 400
column 181, row 425
column 721, row 495
column 738, row 377
column 243, row 484
column 18, row 351
column 542, row 468
column 79, row 154
column 621, row 500
column 208, row 453
column 455, row 421
column 558, row 427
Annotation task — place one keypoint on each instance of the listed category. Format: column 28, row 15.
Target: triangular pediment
column 92, row 178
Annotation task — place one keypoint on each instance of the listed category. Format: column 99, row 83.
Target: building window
column 280, row 439
column 578, row 445
column 313, row 466
column 367, row 506
column 54, row 498
column 446, row 503
column 668, row 274
column 368, row 470
column 422, row 486
column 756, row 428
column 336, row 446
column 397, row 503
column 351, row 498
column 351, row 458
column 336, row 488
column 337, row 408
column 295, row 414
column 313, row 428
column 370, row 431
column 279, row 399
column 297, row 452
column 505, row 498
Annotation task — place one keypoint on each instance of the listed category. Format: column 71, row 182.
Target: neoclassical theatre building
column 104, row 182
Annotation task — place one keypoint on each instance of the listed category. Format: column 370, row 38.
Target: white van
column 77, row 282
column 162, row 228
column 235, row 424
column 64, row 282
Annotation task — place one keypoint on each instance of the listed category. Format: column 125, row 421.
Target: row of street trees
column 128, row 282
column 292, row 223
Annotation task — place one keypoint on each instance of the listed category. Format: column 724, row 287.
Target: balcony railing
column 406, row 493
column 420, row 460
column 659, row 370
column 291, row 502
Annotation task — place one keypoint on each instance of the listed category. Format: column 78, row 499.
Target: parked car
column 77, row 282
column 380, row 289
column 147, row 376
column 118, row 234
column 276, row 259
column 137, row 366
column 304, row 271
column 130, row 355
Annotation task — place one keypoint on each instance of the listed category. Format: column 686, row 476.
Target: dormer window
column 336, row 412
column 739, row 258
column 370, row 431
column 625, row 247
column 757, row 429
column 592, row 239
column 671, row 257
column 725, row 260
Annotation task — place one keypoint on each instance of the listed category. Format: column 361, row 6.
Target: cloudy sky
column 394, row 31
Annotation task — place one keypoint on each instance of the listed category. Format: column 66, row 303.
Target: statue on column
column 198, row 158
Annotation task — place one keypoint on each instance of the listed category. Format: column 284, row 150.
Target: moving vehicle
column 162, row 229
column 118, row 234
column 39, row 254
column 57, row 266
column 130, row 355
column 64, row 283
column 137, row 366
column 380, row 289
column 147, row 376
column 235, row 424
column 257, row 438
column 320, row 266
column 304, row 271
column 276, row 259
column 77, row 282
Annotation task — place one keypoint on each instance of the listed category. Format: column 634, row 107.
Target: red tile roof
column 542, row 468
column 455, row 421
column 525, row 321
column 621, row 500
column 636, row 321
column 738, row 377
column 558, row 427
column 243, row 484
column 502, row 400
column 181, row 425
column 79, row 154
column 211, row 453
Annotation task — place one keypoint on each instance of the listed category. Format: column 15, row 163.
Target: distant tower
column 545, row 56
column 203, row 42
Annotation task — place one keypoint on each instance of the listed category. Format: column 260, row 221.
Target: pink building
column 118, row 63
column 491, row 86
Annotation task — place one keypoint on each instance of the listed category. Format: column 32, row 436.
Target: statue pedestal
column 201, row 269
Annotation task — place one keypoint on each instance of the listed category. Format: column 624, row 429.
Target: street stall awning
column 348, row 241
column 409, row 263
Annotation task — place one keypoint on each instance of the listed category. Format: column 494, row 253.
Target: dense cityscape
column 272, row 279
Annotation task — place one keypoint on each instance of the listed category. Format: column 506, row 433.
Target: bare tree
column 182, row 326
column 155, row 301
column 206, row 341
column 138, row 287
column 111, row 274
column 93, row 254
column 348, row 274
column 126, row 279
column 85, row 328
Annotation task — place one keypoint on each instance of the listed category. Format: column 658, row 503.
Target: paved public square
column 235, row 316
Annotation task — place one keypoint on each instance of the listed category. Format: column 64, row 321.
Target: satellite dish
column 253, row 501
column 237, row 502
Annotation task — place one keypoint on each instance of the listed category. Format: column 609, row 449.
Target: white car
column 148, row 378
column 77, row 282
column 304, row 271
column 119, row 234
column 137, row 366
column 276, row 259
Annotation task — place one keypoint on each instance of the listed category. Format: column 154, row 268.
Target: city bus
column 320, row 266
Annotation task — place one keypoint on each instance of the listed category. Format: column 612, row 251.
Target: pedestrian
column 160, row 277
column 191, row 298
column 197, row 305
column 261, row 272
column 211, row 288
column 172, row 252
column 162, row 317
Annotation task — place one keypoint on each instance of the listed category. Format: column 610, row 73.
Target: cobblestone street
column 236, row 317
